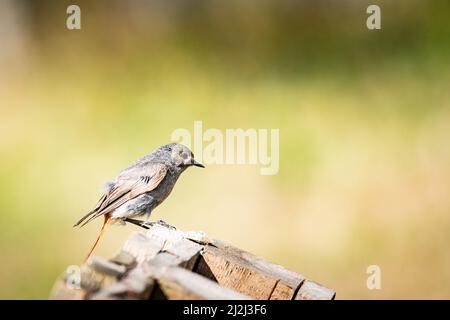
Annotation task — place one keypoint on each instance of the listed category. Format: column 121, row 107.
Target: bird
column 140, row 188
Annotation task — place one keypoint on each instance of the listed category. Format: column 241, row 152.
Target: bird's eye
column 170, row 149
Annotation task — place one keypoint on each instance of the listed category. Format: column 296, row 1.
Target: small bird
column 141, row 187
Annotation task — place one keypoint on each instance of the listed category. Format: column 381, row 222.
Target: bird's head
column 180, row 155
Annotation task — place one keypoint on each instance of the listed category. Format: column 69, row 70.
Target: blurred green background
column 364, row 133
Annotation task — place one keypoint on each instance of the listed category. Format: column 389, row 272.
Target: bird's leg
column 140, row 223
column 165, row 224
column 147, row 224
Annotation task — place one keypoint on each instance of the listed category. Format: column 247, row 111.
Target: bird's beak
column 197, row 164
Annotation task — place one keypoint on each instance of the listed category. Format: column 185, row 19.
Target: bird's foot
column 140, row 223
column 147, row 224
column 165, row 224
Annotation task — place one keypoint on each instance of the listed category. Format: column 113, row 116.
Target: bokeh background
column 364, row 133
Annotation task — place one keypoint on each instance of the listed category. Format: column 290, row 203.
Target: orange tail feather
column 102, row 230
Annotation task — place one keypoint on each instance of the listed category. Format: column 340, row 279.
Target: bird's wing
column 129, row 185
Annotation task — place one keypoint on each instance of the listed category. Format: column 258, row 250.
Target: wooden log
column 248, row 274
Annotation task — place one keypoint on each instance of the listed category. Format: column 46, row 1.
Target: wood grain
column 164, row 263
column 179, row 283
column 311, row 290
column 246, row 273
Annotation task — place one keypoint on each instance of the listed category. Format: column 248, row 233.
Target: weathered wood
column 164, row 263
column 246, row 273
column 141, row 247
column 61, row 291
column 106, row 267
column 314, row 291
column 79, row 283
column 125, row 259
column 145, row 246
column 186, row 251
column 168, row 248
column 178, row 283
column 136, row 285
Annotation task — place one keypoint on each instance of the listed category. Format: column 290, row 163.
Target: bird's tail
column 90, row 213
column 102, row 230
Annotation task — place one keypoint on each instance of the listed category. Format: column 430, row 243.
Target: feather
column 129, row 185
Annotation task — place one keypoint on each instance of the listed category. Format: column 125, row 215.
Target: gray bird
column 141, row 187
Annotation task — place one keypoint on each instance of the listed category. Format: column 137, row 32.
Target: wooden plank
column 61, row 291
column 136, row 285
column 162, row 233
column 166, row 259
column 282, row 292
column 246, row 273
column 79, row 283
column 227, row 272
column 177, row 283
column 173, row 250
column 141, row 247
column 106, row 267
column 311, row 290
column 145, row 246
column 187, row 251
column 125, row 259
